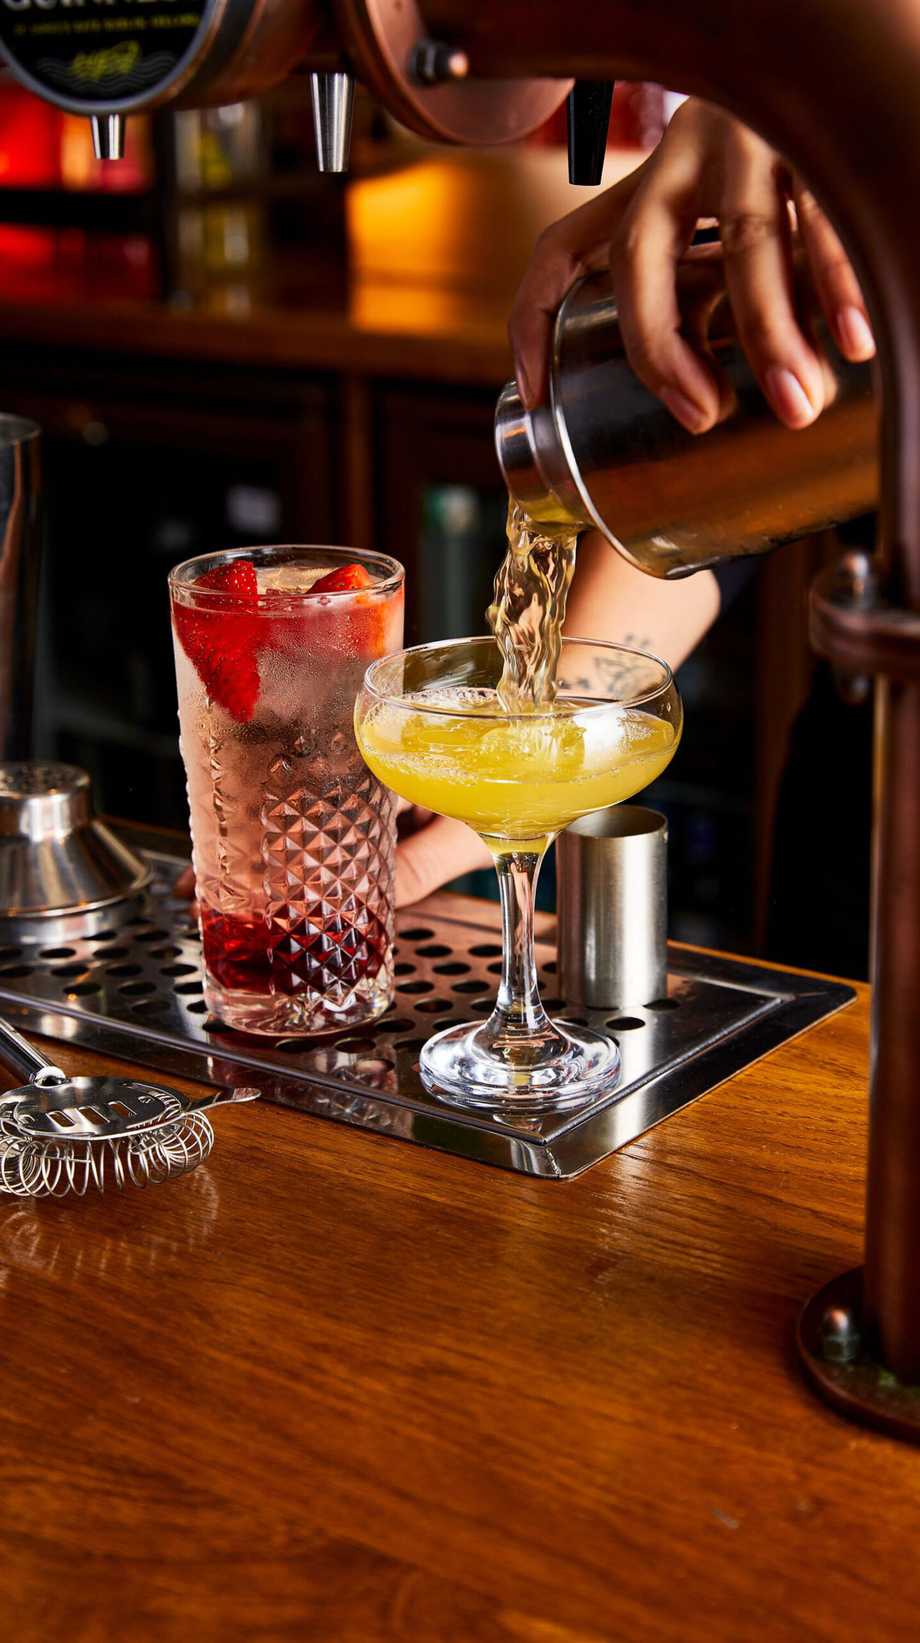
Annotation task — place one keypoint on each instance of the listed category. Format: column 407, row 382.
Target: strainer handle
column 17, row 1054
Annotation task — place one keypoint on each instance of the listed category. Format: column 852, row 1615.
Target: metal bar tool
column 60, row 1135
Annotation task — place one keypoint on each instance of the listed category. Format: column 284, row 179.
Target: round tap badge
column 86, row 55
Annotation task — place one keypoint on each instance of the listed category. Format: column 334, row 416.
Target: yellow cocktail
column 513, row 780
column 429, row 725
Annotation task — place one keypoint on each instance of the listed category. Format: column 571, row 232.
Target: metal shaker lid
column 40, row 801
column 54, row 856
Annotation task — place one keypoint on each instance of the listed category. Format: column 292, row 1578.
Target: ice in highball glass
column 430, row 725
column 293, row 836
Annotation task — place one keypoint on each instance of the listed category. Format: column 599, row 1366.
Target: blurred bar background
column 225, row 348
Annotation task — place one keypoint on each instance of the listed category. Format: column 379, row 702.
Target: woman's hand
column 431, row 851
column 184, row 886
column 706, row 166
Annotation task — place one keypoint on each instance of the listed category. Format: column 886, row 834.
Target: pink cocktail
column 293, row 838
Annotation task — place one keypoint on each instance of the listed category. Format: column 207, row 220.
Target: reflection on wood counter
column 337, row 1387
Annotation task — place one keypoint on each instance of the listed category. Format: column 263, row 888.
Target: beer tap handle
column 333, row 96
column 588, row 112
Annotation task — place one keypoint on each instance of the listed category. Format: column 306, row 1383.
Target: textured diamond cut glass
column 293, row 837
column 322, row 851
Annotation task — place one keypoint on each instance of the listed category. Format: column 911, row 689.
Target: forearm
column 612, row 600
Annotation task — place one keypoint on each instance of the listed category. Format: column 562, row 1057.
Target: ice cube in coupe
column 293, row 836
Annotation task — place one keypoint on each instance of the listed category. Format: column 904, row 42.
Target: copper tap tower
column 798, row 76
column 834, row 85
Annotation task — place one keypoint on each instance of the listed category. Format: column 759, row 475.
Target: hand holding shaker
column 606, row 453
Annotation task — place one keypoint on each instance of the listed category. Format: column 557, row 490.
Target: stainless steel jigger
column 60, row 1135
column 612, row 872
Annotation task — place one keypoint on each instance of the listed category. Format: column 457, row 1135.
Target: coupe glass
column 429, row 725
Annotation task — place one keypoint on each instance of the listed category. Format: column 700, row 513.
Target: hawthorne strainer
column 61, row 1135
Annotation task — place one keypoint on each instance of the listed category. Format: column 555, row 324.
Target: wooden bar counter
column 338, row 1387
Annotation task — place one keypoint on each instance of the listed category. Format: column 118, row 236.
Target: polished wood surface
column 338, row 1387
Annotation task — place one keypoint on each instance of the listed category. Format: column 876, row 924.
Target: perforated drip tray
column 130, row 986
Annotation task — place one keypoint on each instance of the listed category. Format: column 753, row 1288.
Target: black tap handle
column 588, row 111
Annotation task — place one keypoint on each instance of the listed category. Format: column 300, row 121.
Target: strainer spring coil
column 33, row 1168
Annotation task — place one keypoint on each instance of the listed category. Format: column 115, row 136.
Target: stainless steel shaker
column 20, row 545
column 605, row 452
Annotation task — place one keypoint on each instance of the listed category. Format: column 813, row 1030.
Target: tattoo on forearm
column 611, row 677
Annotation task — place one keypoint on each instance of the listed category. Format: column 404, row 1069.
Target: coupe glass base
column 460, row 1067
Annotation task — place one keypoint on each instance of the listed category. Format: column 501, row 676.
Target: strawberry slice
column 344, row 579
column 333, row 627
column 359, row 629
column 222, row 641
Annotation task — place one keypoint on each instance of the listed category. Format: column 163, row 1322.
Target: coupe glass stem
column 518, row 1012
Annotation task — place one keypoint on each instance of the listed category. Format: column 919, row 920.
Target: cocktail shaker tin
column 605, row 451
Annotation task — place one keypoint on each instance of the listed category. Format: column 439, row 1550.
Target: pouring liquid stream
column 520, row 775
column 528, row 611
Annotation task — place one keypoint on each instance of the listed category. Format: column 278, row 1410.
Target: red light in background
column 30, row 140
column 25, row 250
column 68, row 264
